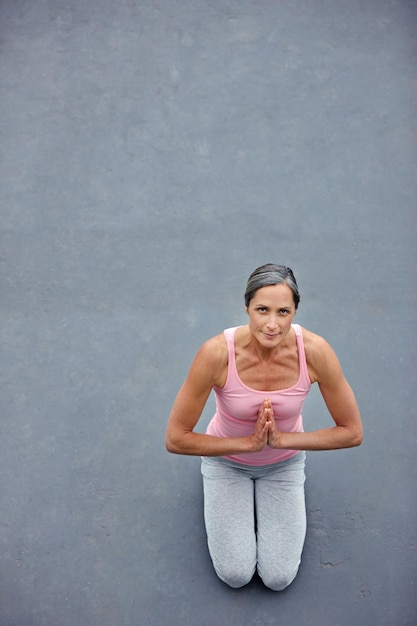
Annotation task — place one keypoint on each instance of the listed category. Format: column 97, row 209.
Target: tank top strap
column 301, row 353
column 229, row 334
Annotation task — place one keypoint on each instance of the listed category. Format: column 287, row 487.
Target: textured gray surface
column 153, row 154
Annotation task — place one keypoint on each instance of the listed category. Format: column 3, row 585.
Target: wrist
column 277, row 441
column 254, row 445
column 250, row 444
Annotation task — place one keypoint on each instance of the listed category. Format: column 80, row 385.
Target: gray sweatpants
column 255, row 519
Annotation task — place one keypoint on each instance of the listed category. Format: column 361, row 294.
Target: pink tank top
column 237, row 406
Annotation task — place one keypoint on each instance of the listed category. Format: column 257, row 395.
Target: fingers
column 267, row 410
column 260, row 434
column 265, row 427
column 273, row 433
column 262, row 422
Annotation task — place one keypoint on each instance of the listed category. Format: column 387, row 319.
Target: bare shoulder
column 211, row 360
column 321, row 359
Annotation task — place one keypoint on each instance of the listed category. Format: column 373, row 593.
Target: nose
column 272, row 323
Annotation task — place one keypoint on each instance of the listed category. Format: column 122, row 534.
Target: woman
column 253, row 451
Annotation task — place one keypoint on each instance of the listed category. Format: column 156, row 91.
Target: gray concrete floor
column 153, row 154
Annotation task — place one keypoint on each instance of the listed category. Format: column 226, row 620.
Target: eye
column 261, row 309
column 284, row 311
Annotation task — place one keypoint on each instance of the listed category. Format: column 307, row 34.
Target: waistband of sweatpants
column 300, row 456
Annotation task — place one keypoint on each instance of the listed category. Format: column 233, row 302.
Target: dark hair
column 271, row 274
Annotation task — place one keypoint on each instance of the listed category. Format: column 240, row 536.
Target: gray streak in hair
column 271, row 274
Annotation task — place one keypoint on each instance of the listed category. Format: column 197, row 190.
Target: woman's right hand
column 259, row 438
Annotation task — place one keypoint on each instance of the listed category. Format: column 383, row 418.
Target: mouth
column 270, row 335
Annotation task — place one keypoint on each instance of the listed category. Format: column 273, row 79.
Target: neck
column 265, row 353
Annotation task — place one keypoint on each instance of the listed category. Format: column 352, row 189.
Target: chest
column 280, row 373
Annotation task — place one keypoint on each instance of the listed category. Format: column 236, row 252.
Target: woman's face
column 271, row 312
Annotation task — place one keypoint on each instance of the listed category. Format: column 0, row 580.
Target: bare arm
column 340, row 400
column 206, row 372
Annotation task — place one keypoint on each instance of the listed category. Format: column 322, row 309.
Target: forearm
column 196, row 444
column 332, row 438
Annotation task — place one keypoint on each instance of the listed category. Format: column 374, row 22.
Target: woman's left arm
column 325, row 369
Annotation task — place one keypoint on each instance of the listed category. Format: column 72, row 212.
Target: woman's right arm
column 206, row 372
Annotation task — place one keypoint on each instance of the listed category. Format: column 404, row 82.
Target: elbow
column 357, row 438
column 352, row 438
column 172, row 444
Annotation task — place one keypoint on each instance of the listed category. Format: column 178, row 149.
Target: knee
column 235, row 576
column 278, row 581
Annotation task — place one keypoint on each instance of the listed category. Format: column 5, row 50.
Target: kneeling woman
column 253, row 451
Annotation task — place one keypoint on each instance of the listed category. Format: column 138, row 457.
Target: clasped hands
column 266, row 432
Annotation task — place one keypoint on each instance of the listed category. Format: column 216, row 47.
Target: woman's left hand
column 274, row 436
